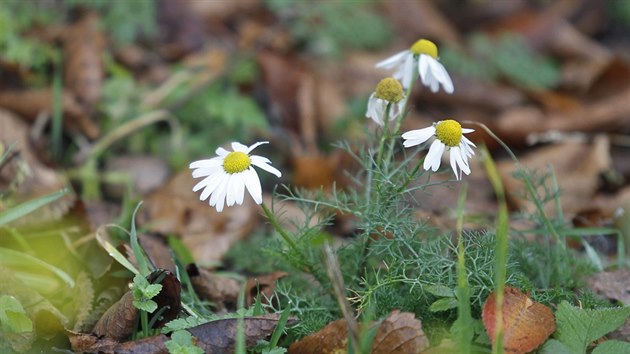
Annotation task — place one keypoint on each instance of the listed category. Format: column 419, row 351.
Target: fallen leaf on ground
column 27, row 174
column 577, row 167
column 216, row 337
column 176, row 209
column 400, row 332
column 264, row 285
column 222, row 291
column 84, row 45
column 119, row 320
column 526, row 324
column 614, row 286
column 30, row 104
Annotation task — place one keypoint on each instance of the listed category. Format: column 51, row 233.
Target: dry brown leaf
column 30, row 104
column 604, row 115
column 30, row 176
column 264, row 285
column 169, row 297
column 147, row 173
column 181, row 29
column 331, row 339
column 421, row 19
column 156, row 250
column 175, row 209
column 84, row 45
column 614, row 286
column 526, row 324
column 576, row 165
column 87, row 343
column 119, row 320
column 219, row 337
column 222, row 291
column 400, row 333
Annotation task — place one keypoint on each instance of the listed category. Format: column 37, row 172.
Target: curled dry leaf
column 526, row 324
column 83, row 54
column 169, row 297
column 264, row 285
column 119, row 320
column 222, row 291
column 175, row 209
column 400, row 332
column 30, row 104
column 614, row 286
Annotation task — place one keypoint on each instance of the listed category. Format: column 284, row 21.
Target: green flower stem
column 281, row 231
column 386, row 135
column 411, row 176
column 306, row 266
column 399, row 119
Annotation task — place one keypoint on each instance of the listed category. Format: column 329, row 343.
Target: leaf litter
column 585, row 113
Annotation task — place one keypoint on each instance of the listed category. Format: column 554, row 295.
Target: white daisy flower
column 228, row 174
column 449, row 136
column 388, row 91
column 423, row 57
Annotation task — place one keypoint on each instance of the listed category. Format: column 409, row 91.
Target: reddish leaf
column 399, row 333
column 119, row 320
column 526, row 324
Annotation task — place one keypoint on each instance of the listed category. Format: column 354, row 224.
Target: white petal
column 218, row 196
column 373, row 110
column 239, row 147
column 215, row 161
column 467, row 130
column 239, row 187
column 221, row 152
column 252, row 182
column 454, row 163
column 418, row 136
column 213, row 182
column 434, row 157
column 406, row 72
column 393, row 60
column 231, row 190
column 462, row 162
column 467, row 141
column 423, row 67
column 206, row 171
column 440, row 73
column 251, row 148
column 260, row 162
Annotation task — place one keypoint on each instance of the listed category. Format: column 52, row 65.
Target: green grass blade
column 25, row 208
column 18, row 260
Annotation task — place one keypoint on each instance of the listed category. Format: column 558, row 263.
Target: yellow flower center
column 425, row 46
column 236, row 162
column 390, row 90
column 449, row 132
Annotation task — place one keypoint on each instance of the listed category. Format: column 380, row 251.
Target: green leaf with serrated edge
column 554, row 346
column 443, row 304
column 82, row 299
column 183, row 323
column 439, row 290
column 20, row 210
column 13, row 318
column 152, row 290
column 612, row 347
column 577, row 328
column 181, row 343
column 146, row 305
